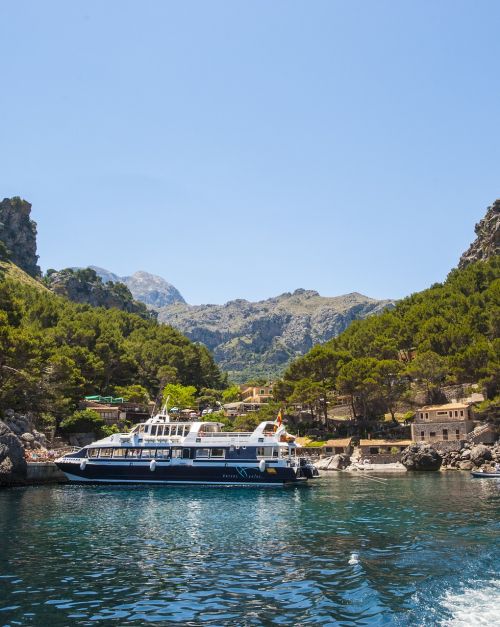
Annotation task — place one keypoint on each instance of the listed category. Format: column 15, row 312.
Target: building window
column 457, row 434
column 456, row 413
column 432, row 434
column 422, row 435
column 445, row 434
column 427, row 415
column 461, row 412
column 373, row 450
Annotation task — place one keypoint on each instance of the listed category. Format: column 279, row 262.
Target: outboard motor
column 308, row 469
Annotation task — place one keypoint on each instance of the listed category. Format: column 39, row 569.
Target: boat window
column 217, row 452
column 119, row 452
column 93, row 452
column 134, row 452
column 148, row 453
column 176, row 452
column 203, row 452
column 163, row 453
column 153, row 429
column 186, row 453
column 106, row 452
column 267, row 451
column 187, row 429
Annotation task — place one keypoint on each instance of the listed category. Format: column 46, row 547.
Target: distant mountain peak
column 149, row 288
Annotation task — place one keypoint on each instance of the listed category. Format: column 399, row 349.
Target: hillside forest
column 447, row 334
column 53, row 352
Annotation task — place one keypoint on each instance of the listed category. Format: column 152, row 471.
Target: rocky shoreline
column 423, row 457
column 21, row 447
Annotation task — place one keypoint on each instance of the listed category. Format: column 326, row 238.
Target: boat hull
column 485, row 475
column 179, row 474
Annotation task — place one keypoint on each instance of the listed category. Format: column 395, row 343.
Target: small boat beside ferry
column 484, row 474
column 166, row 451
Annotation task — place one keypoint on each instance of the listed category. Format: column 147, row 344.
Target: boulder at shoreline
column 421, row 456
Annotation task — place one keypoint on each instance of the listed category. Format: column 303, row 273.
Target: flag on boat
column 279, row 418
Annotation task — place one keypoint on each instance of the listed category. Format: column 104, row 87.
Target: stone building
column 442, row 423
column 256, row 394
column 330, row 447
column 382, row 451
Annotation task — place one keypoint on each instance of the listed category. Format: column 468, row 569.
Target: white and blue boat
column 166, row 451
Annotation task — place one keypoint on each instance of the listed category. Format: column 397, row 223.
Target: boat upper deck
column 160, row 430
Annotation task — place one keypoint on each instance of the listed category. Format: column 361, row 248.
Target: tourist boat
column 165, row 451
column 482, row 474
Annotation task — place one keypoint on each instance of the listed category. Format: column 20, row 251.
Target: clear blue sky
column 247, row 148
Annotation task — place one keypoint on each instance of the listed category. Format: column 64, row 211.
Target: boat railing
column 225, row 434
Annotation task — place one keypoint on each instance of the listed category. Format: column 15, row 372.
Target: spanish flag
column 279, row 419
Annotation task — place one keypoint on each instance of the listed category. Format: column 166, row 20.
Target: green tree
column 183, row 396
column 84, row 421
column 390, row 383
column 308, row 393
column 357, row 378
column 232, row 394
column 431, row 369
column 132, row 393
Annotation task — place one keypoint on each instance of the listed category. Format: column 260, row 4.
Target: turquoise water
column 412, row 550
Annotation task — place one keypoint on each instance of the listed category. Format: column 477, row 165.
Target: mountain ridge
column 259, row 338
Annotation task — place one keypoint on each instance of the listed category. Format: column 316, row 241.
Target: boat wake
column 475, row 605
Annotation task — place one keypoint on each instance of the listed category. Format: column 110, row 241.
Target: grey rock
column 480, row 454
column 85, row 286
column 421, row 456
column 339, row 462
column 28, row 437
column 18, row 233
column 487, row 243
column 466, row 465
column 13, row 466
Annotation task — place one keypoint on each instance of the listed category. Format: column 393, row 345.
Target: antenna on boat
column 153, row 410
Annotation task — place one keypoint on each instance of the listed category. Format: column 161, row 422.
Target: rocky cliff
column 259, row 339
column 84, row 286
column 148, row 288
column 18, row 233
column 487, row 242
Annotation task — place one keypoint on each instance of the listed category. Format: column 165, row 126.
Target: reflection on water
column 414, row 550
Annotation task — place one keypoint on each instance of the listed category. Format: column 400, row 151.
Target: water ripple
column 411, row 552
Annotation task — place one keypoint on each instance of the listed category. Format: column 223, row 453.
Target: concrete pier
column 44, row 472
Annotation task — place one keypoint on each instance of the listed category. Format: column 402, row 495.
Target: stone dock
column 44, row 472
